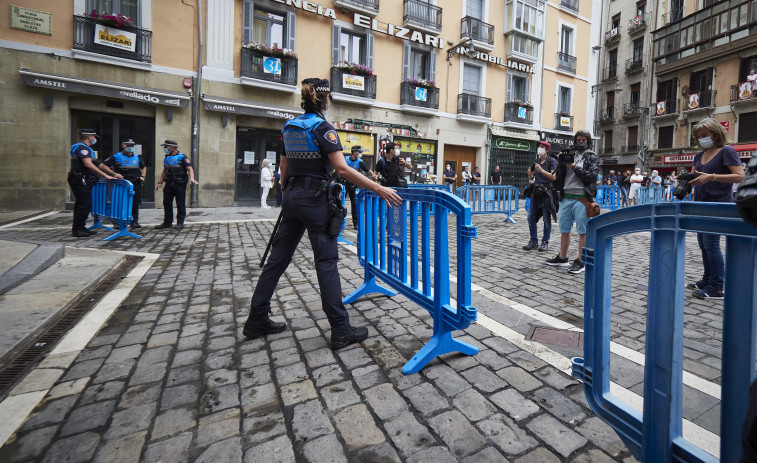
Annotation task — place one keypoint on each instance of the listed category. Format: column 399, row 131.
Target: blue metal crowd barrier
column 609, row 197
column 113, row 199
column 491, row 199
column 655, row 435
column 429, row 186
column 649, row 195
column 341, row 238
column 394, row 244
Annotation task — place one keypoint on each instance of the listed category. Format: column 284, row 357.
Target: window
column 471, row 79
column 641, row 8
column 418, row 63
column 475, row 8
column 665, row 137
column 564, row 99
column 746, row 65
column 666, row 90
column 613, row 63
column 638, row 50
column 676, row 10
column 524, row 45
column 633, row 136
column 517, row 88
column 610, row 99
column 701, row 82
column 269, row 27
column 566, row 41
column 748, row 126
column 635, row 94
column 525, row 16
column 128, row 8
column 608, row 141
column 616, row 21
column 352, row 47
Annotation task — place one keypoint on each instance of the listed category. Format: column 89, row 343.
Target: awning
column 509, row 133
column 248, row 108
column 103, row 88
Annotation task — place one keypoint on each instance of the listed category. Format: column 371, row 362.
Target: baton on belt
column 270, row 241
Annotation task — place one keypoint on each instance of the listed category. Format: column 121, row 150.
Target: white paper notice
column 249, row 157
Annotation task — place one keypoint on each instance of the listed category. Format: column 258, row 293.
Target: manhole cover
column 555, row 337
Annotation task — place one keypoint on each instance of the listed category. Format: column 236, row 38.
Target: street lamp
column 470, row 52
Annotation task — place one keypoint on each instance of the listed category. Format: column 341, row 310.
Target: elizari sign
column 115, row 38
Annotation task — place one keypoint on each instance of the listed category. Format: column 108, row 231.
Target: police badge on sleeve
column 332, row 137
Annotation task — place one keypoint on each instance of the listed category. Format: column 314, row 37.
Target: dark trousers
column 173, row 190
column 534, row 213
column 351, row 193
column 82, row 202
column 712, row 258
column 137, row 200
column 303, row 212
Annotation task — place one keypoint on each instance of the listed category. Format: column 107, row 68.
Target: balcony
column 608, row 115
column 630, row 149
column 367, row 7
column 607, row 151
column 743, row 92
column 612, row 36
column 631, row 110
column 84, row 40
column 570, row 5
column 637, row 24
column 515, row 111
column 474, row 105
column 416, row 97
column 256, row 65
column 480, row 32
column 634, row 65
column 563, row 121
column 610, row 72
column 665, row 108
column 423, row 16
column 344, row 83
column 698, row 100
column 566, row 62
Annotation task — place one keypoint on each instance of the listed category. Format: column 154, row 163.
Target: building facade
column 476, row 83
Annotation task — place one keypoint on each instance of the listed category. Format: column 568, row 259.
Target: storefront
column 513, row 156
column 420, row 158
column 363, row 139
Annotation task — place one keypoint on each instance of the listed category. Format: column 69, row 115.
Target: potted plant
column 275, row 52
column 118, row 21
column 355, row 69
column 524, row 104
column 422, row 83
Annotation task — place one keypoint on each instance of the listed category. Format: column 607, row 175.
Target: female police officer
column 311, row 148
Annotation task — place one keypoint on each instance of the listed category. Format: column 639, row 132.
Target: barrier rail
column 491, row 199
column 609, row 197
column 649, row 195
column 429, row 186
column 655, row 436
column 113, row 199
column 341, row 238
column 394, row 244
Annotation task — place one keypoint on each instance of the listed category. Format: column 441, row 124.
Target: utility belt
column 83, row 179
column 175, row 181
column 306, row 182
column 334, row 191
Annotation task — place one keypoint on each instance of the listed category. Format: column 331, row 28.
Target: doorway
column 457, row 157
column 254, row 145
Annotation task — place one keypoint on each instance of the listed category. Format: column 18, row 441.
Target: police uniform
column 81, row 180
column 358, row 165
column 130, row 166
column 175, row 186
column 308, row 140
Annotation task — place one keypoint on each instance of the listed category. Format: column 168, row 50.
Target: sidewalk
column 169, row 376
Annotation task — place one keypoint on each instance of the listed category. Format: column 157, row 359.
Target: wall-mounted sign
column 28, row 20
column 115, row 38
column 510, row 144
column 421, row 94
column 726, row 125
column 247, row 108
column 564, row 121
column 272, row 65
column 353, row 82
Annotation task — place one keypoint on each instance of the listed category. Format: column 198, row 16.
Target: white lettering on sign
column 227, row 108
column 366, row 22
column 140, row 96
column 49, row 83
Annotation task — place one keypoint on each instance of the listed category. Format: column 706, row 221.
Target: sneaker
column 708, row 293
column 530, row 246
column 558, row 261
column 351, row 336
column 576, row 267
column 695, row 286
column 544, row 247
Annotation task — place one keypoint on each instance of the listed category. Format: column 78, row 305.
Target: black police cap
column 170, row 143
column 321, row 85
column 87, row 132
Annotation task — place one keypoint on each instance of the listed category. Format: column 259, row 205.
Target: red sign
column 726, row 125
column 745, row 152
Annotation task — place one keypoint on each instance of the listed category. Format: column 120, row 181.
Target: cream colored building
column 490, row 98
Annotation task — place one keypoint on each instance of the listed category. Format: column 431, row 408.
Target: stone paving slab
column 171, row 378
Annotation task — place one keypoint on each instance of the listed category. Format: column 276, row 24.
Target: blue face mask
column 94, row 142
column 166, row 150
column 129, row 149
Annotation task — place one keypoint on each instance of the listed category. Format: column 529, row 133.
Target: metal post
column 196, row 109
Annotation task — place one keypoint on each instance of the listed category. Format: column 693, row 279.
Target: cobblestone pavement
column 170, row 377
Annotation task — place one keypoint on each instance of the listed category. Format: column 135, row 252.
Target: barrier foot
column 509, row 219
column 439, row 344
column 342, row 240
column 367, row 287
column 122, row 231
column 98, row 224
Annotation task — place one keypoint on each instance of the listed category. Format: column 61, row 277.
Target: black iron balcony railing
column 610, row 72
column 631, row 110
column 571, row 5
column 608, row 114
column 637, row 24
column 743, row 91
column 474, row 105
column 696, row 100
column 477, row 30
column 607, row 150
column 366, row 6
column 630, row 149
column 257, row 65
column 347, row 84
column 665, row 107
column 566, row 62
column 517, row 112
column 634, row 64
column 84, row 39
column 414, row 95
column 563, row 122
column 612, row 35
column 422, row 13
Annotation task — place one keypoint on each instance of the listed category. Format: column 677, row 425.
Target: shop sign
column 421, row 94
column 564, row 121
column 406, row 146
column 28, row 20
column 272, row 65
column 246, row 108
column 350, row 139
column 689, row 158
column 353, row 82
column 510, row 144
column 115, row 38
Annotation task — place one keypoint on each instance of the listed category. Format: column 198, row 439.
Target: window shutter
column 247, row 22
column 335, row 58
column 569, row 100
column 291, row 30
column 432, row 65
column 509, row 88
column 369, row 51
column 406, row 55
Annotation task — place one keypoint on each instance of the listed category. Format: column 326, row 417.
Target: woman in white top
column 636, row 180
column 266, row 181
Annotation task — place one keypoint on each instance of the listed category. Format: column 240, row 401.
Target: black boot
column 163, row 225
column 350, row 336
column 80, row 233
column 262, row 326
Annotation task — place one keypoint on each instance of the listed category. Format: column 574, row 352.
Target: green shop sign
column 510, row 144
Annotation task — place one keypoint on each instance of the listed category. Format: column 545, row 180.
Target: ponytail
column 313, row 100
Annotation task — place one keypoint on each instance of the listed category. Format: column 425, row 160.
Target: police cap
column 321, row 85
column 170, row 143
column 83, row 132
column 129, row 142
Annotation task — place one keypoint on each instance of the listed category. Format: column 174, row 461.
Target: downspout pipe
column 196, row 108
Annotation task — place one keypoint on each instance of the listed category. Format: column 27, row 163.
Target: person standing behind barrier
column 496, row 177
column 311, row 147
column 176, row 169
column 266, row 182
column 611, row 178
column 635, row 181
column 541, row 198
column 576, row 179
column 718, row 166
column 466, row 176
column 476, row 176
column 81, row 178
column 390, row 166
column 133, row 169
column 356, row 163
column 449, row 177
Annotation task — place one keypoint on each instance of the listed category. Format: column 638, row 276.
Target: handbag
column 592, row 207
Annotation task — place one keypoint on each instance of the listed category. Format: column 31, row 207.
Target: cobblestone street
column 170, row 377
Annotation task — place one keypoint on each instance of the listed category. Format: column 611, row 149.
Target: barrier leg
column 98, row 224
column 123, row 230
column 440, row 343
column 369, row 286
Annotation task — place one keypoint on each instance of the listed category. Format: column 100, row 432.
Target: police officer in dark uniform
column 177, row 168
column 133, row 169
column 356, row 163
column 311, row 147
column 85, row 169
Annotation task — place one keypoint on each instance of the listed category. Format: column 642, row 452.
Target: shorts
column 572, row 210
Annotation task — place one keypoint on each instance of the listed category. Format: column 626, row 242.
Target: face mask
column 581, row 146
column 166, row 150
column 541, row 151
column 129, row 149
column 94, row 142
column 706, row 142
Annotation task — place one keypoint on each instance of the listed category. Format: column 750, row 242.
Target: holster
column 337, row 212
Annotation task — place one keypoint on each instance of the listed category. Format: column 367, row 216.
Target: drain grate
column 36, row 349
column 555, row 337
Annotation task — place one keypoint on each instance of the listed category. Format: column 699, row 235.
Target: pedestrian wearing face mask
column 390, row 166
column 354, row 161
column 177, row 169
column 449, row 177
column 541, row 204
column 133, row 169
column 636, row 180
column 718, row 167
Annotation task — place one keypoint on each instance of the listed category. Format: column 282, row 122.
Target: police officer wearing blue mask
column 133, row 169
column 311, row 147
column 356, row 163
column 177, row 169
column 84, row 173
